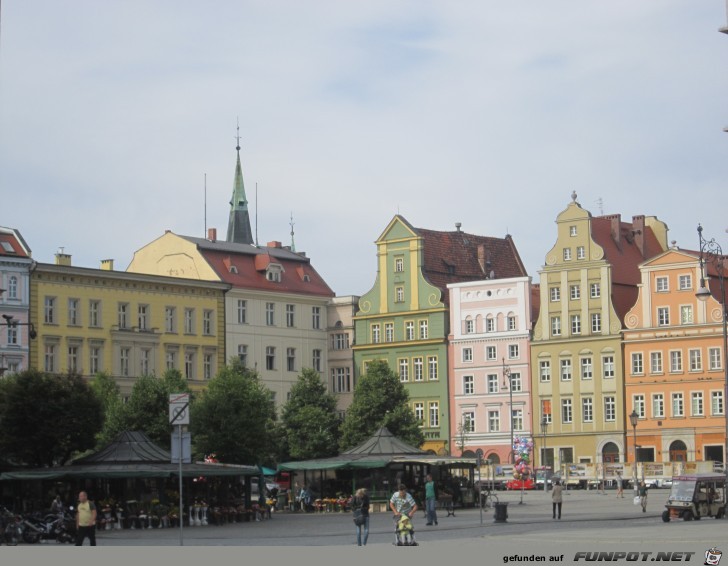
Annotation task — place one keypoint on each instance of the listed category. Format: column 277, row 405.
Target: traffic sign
column 179, row 412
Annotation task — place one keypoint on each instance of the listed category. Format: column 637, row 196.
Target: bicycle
column 488, row 499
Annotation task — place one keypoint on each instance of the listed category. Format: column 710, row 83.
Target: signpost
column 179, row 414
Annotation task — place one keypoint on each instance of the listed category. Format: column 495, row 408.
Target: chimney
column 616, row 220
column 107, row 264
column 275, row 244
column 481, row 257
column 212, row 234
column 63, row 259
column 638, row 232
column 458, row 225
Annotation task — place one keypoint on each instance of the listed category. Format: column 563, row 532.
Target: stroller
column 404, row 532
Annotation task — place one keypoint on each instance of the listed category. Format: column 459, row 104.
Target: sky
column 115, row 115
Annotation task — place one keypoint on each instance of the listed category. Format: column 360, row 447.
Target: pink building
column 489, row 387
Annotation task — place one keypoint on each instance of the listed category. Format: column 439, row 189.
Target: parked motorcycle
column 52, row 527
column 12, row 529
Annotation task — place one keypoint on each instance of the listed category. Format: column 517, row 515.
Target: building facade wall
column 14, row 303
column 340, row 325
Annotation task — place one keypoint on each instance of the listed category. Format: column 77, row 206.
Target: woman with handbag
column 360, row 507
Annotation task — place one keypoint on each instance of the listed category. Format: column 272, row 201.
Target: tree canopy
column 45, row 419
column 380, row 399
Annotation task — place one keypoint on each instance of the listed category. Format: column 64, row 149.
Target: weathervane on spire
column 237, row 137
column 293, row 243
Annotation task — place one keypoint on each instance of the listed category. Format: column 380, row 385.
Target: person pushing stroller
column 404, row 507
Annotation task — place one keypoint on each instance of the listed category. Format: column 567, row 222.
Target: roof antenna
column 293, row 242
column 204, row 235
column 256, row 214
column 600, row 204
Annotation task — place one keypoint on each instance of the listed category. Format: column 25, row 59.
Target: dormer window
column 273, row 272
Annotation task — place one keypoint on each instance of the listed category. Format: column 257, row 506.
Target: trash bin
column 501, row 512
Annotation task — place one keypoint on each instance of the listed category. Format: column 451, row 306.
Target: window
column 389, row 332
column 493, row 421
column 490, row 324
column 566, row 369
column 375, row 334
column 468, row 421
column 608, row 366
column 143, row 317
column 73, row 312
column 491, row 381
column 171, row 359
column 576, row 324
column 517, row 419
column 50, row 310
column 409, row 330
column 716, row 403
column 434, row 414
column 189, row 365
column 13, row 287
column 696, row 403
column 404, row 369
column 555, row 326
column 467, row 354
column 555, row 294
column 574, row 292
column 714, row 359
column 546, row 410
column 678, row 408
column 291, row 359
column 270, row 314
column 696, row 361
column 610, row 409
column 638, row 403
column 170, row 319
column 545, row 370
column 685, row 282
column 399, row 264
column 566, row 411
column 189, row 321
column 73, row 366
column 341, row 341
column 124, row 355
column 596, row 323
column 516, row 382
column 418, row 364
column 587, row 410
column 567, row 254
column 663, row 316
column 420, row 412
column 432, row 368
column 572, row 231
column 316, row 318
column 637, row 364
column 658, row 406
column 316, row 359
column 656, row 362
column 290, row 316
column 661, row 285
column 94, row 314
column 513, row 352
column 490, row 352
column 341, row 380
column 423, row 330
column 511, row 323
column 468, row 385
column 273, row 275
column 469, row 326
column 242, row 311
column 676, row 361
column 207, row 322
column 399, row 294
column 144, row 361
column 595, row 290
column 686, row 314
column 270, row 358
column 580, row 252
column 243, row 354
column 123, row 315
column 207, row 362
column 587, row 368
column 12, row 332
column 94, row 360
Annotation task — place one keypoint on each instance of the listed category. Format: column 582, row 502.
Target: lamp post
column 544, row 426
column 507, row 375
column 710, row 251
column 633, row 418
column 11, row 323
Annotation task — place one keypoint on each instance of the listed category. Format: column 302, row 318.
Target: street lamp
column 13, row 323
column 711, row 251
column 544, row 426
column 507, row 375
column 633, row 418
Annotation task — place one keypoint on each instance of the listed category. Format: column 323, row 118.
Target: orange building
column 674, row 364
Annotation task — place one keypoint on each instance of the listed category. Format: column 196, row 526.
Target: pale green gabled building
column 404, row 318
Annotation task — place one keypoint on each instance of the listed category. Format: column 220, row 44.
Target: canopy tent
column 130, row 455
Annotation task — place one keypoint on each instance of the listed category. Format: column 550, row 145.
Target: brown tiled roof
column 452, row 257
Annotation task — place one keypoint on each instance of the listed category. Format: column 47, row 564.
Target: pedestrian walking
column 430, row 500
column 85, row 520
column 557, row 498
column 643, row 496
column 360, row 507
column 620, row 486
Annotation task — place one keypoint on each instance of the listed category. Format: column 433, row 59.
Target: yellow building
column 125, row 324
column 587, row 285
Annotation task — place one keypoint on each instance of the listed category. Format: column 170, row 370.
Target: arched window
column 678, row 451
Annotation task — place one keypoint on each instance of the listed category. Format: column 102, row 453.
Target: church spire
column 239, row 223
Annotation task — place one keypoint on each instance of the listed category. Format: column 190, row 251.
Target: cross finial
column 237, row 137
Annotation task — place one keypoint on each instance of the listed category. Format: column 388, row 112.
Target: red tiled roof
column 12, row 238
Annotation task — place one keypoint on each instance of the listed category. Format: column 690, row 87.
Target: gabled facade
column 404, row 318
column 587, row 285
column 125, row 324
column 674, row 364
column 489, row 355
column 276, row 308
column 15, row 331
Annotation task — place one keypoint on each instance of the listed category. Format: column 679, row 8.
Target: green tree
column 107, row 391
column 310, row 420
column 45, row 419
column 380, row 399
column 234, row 417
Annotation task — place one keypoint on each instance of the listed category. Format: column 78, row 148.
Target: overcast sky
column 484, row 112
